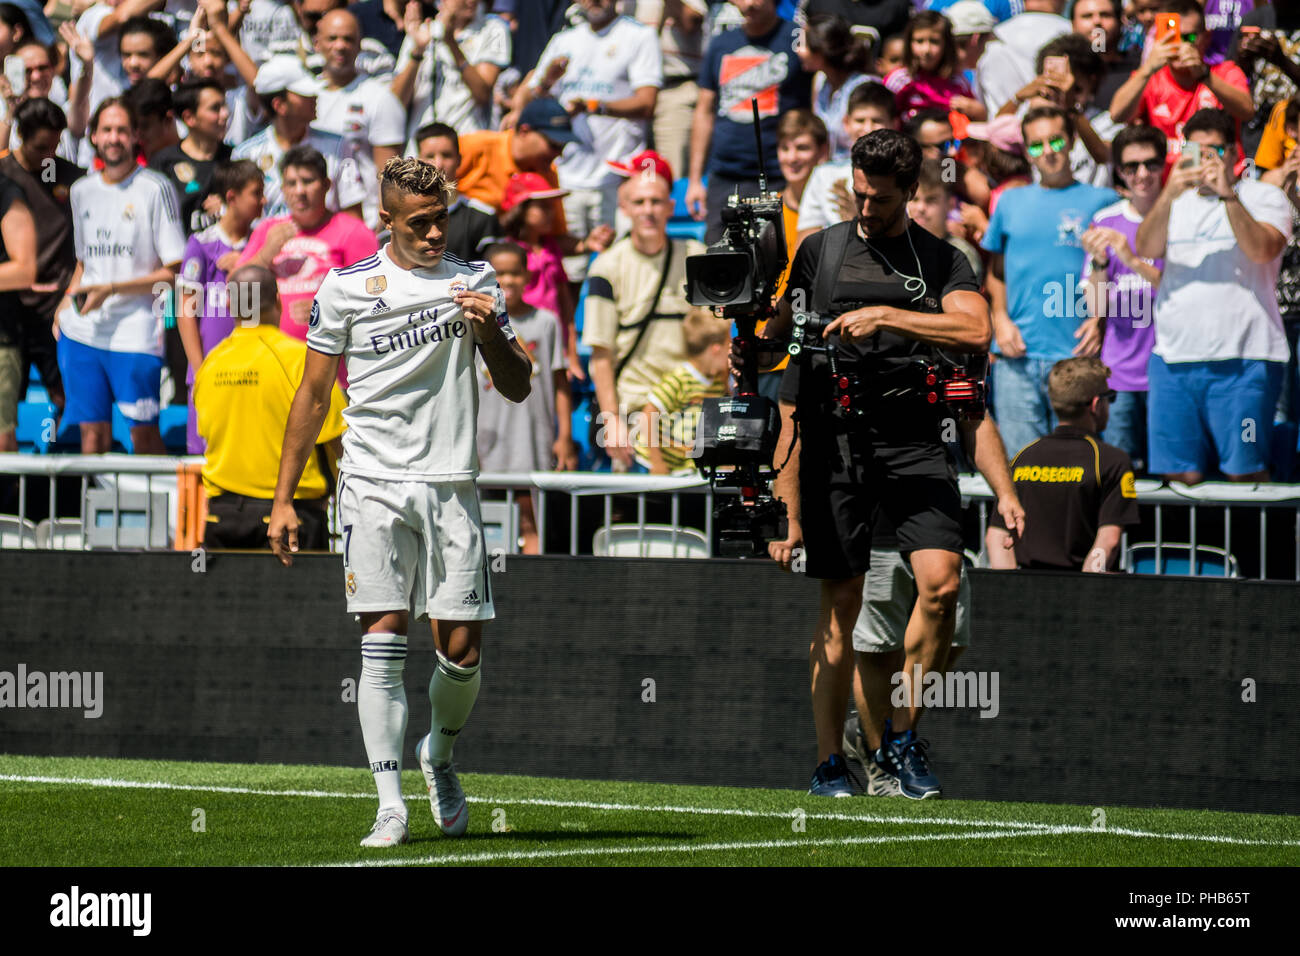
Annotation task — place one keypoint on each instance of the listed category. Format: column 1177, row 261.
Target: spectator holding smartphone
column 1176, row 81
column 1220, row 351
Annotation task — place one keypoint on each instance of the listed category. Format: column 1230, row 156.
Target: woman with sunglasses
column 1121, row 287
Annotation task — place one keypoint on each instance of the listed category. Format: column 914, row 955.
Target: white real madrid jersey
column 409, row 350
column 123, row 231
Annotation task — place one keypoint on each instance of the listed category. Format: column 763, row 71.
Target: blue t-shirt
column 1039, row 233
column 1001, row 9
column 738, row 68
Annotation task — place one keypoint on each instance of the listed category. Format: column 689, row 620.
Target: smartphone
column 16, row 74
column 1056, row 68
column 1168, row 24
column 1191, row 156
column 1247, row 31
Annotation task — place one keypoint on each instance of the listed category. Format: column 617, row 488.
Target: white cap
column 283, row 72
column 969, row 17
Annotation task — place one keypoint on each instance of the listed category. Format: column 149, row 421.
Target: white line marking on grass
column 625, row 850
column 1029, row 827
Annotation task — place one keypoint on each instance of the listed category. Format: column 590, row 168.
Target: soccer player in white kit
column 407, row 320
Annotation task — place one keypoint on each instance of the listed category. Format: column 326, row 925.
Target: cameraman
column 920, row 294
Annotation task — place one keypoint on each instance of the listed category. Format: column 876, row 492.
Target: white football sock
column 381, row 704
column 452, row 692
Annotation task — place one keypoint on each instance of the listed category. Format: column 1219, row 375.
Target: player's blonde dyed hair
column 408, row 174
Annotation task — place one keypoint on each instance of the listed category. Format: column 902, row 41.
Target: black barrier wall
column 1113, row 690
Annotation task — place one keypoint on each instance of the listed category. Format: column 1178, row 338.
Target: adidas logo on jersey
column 380, row 306
column 471, row 599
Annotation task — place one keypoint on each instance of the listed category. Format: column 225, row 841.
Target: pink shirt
column 546, row 265
column 301, row 264
column 924, row 91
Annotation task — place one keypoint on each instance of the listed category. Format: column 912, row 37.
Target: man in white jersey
column 356, row 107
column 408, row 320
column 288, row 93
column 607, row 72
column 129, row 240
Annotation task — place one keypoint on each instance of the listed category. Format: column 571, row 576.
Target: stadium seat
column 500, row 527
column 680, row 224
column 173, row 422
column 34, row 418
column 16, row 532
column 1175, row 559
column 626, row 541
column 61, row 534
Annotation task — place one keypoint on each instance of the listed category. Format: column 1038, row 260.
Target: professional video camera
column 736, row 437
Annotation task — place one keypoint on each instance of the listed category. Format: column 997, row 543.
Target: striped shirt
column 679, row 397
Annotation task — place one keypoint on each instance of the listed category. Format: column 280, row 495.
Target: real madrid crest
column 457, row 287
column 376, row 284
column 128, row 212
column 184, row 172
column 351, row 584
column 265, row 162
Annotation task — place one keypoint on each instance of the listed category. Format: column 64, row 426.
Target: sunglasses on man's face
column 1055, row 144
column 1190, row 38
column 1152, row 165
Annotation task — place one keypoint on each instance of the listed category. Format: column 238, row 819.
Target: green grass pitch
column 97, row 812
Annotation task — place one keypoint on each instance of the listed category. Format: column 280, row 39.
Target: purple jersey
column 199, row 269
column 1130, row 325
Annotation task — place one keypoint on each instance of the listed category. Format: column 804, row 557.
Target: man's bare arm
column 509, row 365
column 1101, row 556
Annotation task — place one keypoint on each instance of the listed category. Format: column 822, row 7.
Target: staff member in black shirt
column 921, row 295
column 1077, row 491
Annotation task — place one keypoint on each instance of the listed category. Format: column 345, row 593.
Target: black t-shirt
column 56, row 254
column 377, row 25
column 471, row 228
column 191, row 177
column 905, row 432
column 10, row 192
column 886, row 16
column 1070, row 483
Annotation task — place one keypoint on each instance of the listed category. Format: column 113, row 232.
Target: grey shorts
column 888, row 594
column 11, row 379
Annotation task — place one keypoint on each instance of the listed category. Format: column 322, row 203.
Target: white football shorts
column 414, row 545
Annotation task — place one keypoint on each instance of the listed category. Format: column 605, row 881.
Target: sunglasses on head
column 1152, row 165
column 1055, row 144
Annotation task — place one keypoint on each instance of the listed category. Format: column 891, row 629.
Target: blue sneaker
column 906, row 756
column 831, row 778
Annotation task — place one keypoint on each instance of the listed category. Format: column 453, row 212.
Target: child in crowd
column 890, row 56
column 528, row 219
column 536, row 434
column 841, row 61
column 828, row 195
column 665, row 436
column 928, row 78
column 204, row 315
column 929, row 209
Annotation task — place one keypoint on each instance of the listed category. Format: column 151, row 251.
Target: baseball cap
column 1001, row 131
column 646, row 159
column 548, row 117
column 282, row 72
column 525, row 186
column 969, row 17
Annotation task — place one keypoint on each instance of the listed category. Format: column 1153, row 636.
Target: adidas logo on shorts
column 380, row 306
column 471, row 599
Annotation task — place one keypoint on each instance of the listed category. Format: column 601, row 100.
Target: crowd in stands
column 1121, row 175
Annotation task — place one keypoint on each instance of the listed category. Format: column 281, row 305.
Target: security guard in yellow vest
column 242, row 394
column 1078, row 492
